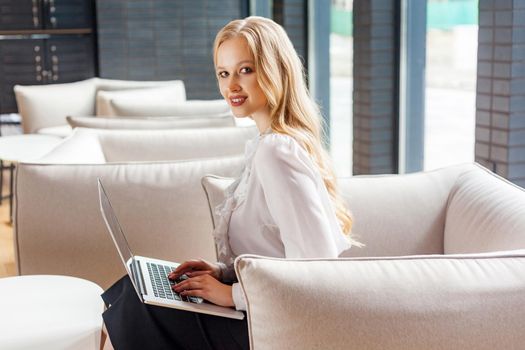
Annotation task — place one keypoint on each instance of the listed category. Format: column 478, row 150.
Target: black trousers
column 132, row 324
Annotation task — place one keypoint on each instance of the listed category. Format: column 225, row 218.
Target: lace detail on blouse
column 235, row 195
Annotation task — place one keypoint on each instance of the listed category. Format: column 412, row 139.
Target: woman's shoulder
column 274, row 145
column 278, row 150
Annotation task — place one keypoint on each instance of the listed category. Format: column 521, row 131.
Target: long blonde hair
column 293, row 112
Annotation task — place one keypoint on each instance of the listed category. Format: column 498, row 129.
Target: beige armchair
column 153, row 180
column 443, row 268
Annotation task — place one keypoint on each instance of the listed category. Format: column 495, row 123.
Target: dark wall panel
column 292, row 15
column 163, row 40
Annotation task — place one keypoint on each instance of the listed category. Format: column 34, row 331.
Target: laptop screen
column 119, row 239
column 114, row 226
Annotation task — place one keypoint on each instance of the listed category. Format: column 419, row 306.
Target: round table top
column 50, row 312
column 17, row 148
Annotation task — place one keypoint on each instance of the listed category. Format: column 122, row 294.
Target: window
column 450, row 94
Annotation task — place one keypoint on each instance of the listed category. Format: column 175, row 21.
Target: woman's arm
column 290, row 182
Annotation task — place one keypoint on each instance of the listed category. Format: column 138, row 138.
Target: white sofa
column 153, row 180
column 44, row 108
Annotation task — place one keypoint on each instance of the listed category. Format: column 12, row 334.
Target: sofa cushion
column 191, row 108
column 151, row 95
column 44, row 106
column 149, row 123
column 400, row 303
column 485, row 213
column 215, row 186
column 400, row 214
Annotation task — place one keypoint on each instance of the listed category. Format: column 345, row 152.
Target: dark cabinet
column 20, row 15
column 69, row 59
column 44, row 42
column 22, row 62
column 67, row 14
column 45, row 14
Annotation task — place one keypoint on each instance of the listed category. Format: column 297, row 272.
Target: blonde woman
column 285, row 203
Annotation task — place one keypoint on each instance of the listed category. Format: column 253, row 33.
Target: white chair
column 443, row 268
column 153, row 180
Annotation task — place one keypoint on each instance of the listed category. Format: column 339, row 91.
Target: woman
column 285, row 204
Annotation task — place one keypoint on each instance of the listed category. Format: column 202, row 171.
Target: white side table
column 18, row 148
column 50, row 312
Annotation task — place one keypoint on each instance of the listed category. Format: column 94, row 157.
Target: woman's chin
column 240, row 116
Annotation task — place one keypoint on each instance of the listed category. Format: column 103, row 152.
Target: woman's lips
column 237, row 101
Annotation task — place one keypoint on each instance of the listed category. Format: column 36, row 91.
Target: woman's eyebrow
column 238, row 64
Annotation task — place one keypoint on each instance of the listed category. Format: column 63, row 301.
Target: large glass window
column 341, row 58
column 450, row 94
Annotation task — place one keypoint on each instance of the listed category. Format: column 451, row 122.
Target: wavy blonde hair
column 293, row 112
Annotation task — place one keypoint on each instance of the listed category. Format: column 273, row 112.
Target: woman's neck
column 262, row 120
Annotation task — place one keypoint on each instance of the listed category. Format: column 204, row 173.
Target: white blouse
column 278, row 207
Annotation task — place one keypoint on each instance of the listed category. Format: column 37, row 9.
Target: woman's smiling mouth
column 237, row 100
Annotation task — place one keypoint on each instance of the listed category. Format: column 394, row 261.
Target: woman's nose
column 234, row 84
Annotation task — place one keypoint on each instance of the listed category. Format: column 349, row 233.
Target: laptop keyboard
column 162, row 285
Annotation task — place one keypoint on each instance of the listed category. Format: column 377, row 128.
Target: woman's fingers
column 198, row 273
column 194, row 293
column 190, row 283
column 189, row 265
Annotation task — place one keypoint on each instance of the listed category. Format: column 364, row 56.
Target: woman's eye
column 223, row 74
column 246, row 69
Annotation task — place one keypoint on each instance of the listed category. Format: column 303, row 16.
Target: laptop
column 150, row 276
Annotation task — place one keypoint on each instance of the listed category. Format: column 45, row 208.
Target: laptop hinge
column 136, row 271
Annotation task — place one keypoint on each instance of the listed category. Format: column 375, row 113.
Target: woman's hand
column 194, row 268
column 207, row 287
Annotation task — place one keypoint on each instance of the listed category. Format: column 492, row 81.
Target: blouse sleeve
column 288, row 179
column 228, row 276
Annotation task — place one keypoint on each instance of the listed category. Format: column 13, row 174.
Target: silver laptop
column 150, row 276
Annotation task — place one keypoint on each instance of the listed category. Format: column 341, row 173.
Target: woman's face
column 235, row 68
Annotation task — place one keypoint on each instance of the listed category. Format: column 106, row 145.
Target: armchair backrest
column 400, row 214
column 110, row 146
column 161, row 207
column 43, row 106
column 158, row 145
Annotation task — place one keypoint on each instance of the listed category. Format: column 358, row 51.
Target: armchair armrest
column 418, row 302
